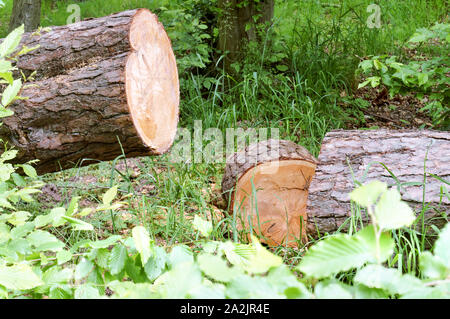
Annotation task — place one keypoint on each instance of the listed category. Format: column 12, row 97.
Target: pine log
column 346, row 153
column 298, row 197
column 267, row 187
column 98, row 82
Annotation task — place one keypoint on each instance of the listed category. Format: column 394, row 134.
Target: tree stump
column 267, row 187
column 357, row 152
column 98, row 82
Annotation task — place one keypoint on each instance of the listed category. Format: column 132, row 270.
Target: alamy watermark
column 211, row 145
column 374, row 20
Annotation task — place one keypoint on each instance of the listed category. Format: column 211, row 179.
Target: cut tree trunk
column 267, row 187
column 294, row 196
column 26, row 12
column 98, row 82
column 361, row 153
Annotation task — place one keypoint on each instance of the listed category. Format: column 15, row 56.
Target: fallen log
column 375, row 154
column 296, row 196
column 98, row 82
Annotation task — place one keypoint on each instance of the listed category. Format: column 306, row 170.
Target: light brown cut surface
column 267, row 186
column 152, row 82
column 274, row 196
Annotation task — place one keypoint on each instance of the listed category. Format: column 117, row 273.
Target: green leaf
column 60, row 292
column 387, row 243
column 442, row 245
column 216, row 268
column 432, row 267
column 284, row 281
column 334, row 254
column 11, row 42
column 391, row 280
column 44, row 241
column 332, row 290
column 363, row 292
column 179, row 254
column 262, row 260
column 63, row 256
column 5, row 172
column 54, row 218
column 203, row 226
column 246, row 287
column 78, row 224
column 106, row 242
column 110, row 195
column 117, row 259
column 5, row 66
column 142, row 242
column 367, row 194
column 177, row 282
column 11, row 91
column 156, row 263
column 83, row 268
column 29, row 170
column 18, row 218
column 391, row 213
column 19, row 277
column 86, row 291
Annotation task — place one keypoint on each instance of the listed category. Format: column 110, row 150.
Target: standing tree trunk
column 98, row 82
column 238, row 24
column 27, row 12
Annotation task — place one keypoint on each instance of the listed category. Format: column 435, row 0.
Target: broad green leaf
column 284, row 281
column 391, row 280
column 442, row 245
column 367, row 194
column 86, row 291
column 55, row 275
column 78, row 224
column 5, row 66
column 367, row 234
column 334, row 254
column 8, row 155
column 29, row 170
column 134, row 270
column 177, row 282
column 22, row 231
column 73, row 206
column 11, row 42
column 43, row 241
column 142, row 242
column 216, row 268
column 106, row 242
column 262, row 260
column 391, row 213
column 109, row 195
column 60, row 292
column 246, row 287
column 179, row 254
column 332, row 290
column 11, row 91
column 54, row 218
column 63, row 256
column 5, row 172
column 363, row 292
column 432, row 266
column 18, row 218
column 237, row 254
column 21, row 246
column 203, row 226
column 156, row 263
column 207, row 291
column 5, row 112
column 117, row 259
column 5, row 233
column 83, row 268
column 130, row 290
column 19, row 277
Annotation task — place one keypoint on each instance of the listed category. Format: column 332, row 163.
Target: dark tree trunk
column 238, row 24
column 27, row 12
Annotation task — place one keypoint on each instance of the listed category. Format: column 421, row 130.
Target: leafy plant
column 427, row 79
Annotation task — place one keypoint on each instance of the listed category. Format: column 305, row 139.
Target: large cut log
column 267, row 187
column 98, row 82
column 296, row 196
column 358, row 153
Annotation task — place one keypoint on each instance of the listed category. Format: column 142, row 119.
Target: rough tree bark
column 237, row 25
column 98, row 81
column 403, row 152
column 27, row 12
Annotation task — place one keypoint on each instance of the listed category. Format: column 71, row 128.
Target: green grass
column 293, row 82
